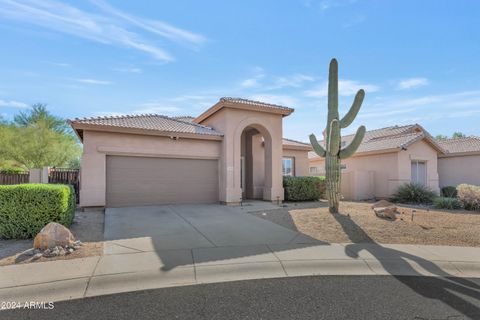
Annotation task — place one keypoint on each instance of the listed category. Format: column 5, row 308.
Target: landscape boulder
column 53, row 235
column 384, row 209
column 382, row 204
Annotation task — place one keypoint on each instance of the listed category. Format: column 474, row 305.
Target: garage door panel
column 148, row 181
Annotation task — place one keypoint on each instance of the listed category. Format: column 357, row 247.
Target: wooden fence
column 14, row 178
column 66, row 176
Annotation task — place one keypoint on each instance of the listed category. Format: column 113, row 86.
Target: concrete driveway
column 194, row 226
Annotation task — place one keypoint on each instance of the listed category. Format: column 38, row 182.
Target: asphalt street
column 320, row 297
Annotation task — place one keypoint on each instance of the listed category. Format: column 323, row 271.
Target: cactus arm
column 334, row 138
column 317, row 147
column 352, row 113
column 353, row 146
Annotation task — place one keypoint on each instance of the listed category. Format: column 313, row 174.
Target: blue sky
column 417, row 60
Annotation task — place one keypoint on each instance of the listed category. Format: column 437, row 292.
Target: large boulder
column 382, row 204
column 52, row 235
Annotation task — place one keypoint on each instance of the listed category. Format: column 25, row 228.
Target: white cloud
column 295, row 80
column 412, row 83
column 93, row 81
column 254, row 81
column 59, row 64
column 283, row 100
column 158, row 27
column 113, row 28
column 129, row 70
column 250, row 83
column 345, row 88
column 156, row 107
column 13, row 104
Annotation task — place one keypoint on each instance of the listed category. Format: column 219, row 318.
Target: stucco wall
column 380, row 175
column 96, row 145
column 232, row 122
column 459, row 169
column 421, row 151
column 301, row 161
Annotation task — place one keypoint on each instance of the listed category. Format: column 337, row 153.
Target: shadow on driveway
column 458, row 293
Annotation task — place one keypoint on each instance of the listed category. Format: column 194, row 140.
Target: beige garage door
column 135, row 181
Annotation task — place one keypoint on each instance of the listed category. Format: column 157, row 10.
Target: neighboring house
column 232, row 151
column 386, row 159
column 461, row 161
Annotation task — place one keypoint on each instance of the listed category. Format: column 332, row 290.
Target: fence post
column 35, row 176
column 44, row 178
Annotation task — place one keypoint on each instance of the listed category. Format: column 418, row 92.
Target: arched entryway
column 257, row 159
column 255, row 154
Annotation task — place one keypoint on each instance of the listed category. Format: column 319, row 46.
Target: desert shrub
column 27, row 208
column 414, row 193
column 303, row 188
column 447, row 203
column 12, row 170
column 449, row 191
column 469, row 195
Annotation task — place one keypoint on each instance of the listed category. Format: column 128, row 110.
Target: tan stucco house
column 461, row 161
column 392, row 156
column 386, row 159
column 232, row 151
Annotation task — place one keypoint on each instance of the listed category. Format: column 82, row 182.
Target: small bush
column 449, row 192
column 414, row 193
column 303, row 188
column 12, row 170
column 447, row 203
column 27, row 208
column 469, row 195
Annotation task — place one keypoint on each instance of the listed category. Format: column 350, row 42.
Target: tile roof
column 461, row 145
column 294, row 143
column 395, row 137
column 149, row 122
column 254, row 103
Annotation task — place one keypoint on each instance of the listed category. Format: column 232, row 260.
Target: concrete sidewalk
column 124, row 269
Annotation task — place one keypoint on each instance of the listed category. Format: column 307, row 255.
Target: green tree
column 37, row 145
column 441, row 137
column 457, row 135
column 39, row 113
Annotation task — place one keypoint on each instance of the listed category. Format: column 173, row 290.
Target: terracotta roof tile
column 149, row 122
column 461, row 145
column 294, row 143
column 395, row 137
column 255, row 103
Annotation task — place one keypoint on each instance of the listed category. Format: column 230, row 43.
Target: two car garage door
column 137, row 181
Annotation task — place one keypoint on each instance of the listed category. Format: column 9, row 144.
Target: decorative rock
column 37, row 256
column 53, row 234
column 382, row 204
column 387, row 212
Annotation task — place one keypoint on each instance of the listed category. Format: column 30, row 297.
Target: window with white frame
column 288, row 165
column 419, row 172
column 314, row 170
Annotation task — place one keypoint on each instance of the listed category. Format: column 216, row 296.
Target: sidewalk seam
column 91, row 276
column 281, row 263
column 184, row 219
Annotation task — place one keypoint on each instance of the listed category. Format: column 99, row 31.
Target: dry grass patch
column 358, row 223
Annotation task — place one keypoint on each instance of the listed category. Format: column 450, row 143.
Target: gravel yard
column 87, row 227
column 357, row 223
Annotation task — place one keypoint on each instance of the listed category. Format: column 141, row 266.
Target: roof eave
column 227, row 104
column 94, row 127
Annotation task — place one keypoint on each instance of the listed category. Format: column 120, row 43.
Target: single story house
column 461, row 161
column 233, row 151
column 392, row 156
column 387, row 158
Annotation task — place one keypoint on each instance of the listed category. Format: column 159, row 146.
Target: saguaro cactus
column 333, row 152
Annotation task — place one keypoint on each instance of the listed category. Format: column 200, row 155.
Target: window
column 314, row 170
column 419, row 172
column 288, row 166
